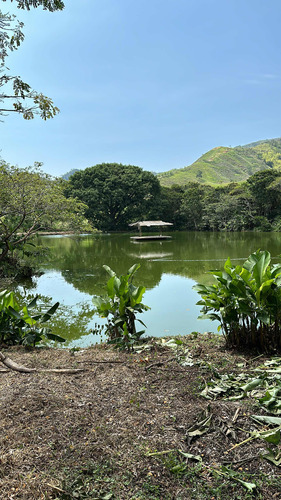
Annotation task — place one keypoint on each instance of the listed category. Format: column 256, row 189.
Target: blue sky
column 146, row 82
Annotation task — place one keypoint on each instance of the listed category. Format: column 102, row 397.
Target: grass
column 217, row 167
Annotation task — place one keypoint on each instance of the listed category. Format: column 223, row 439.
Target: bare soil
column 118, row 429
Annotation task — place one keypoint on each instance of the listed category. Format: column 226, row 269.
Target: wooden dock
column 150, row 238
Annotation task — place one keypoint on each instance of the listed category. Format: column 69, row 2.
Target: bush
column 17, row 326
column 120, row 306
column 246, row 300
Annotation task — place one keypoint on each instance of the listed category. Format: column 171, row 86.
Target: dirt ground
column 127, row 427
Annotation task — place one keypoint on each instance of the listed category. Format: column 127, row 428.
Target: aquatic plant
column 246, row 300
column 120, row 306
column 18, row 326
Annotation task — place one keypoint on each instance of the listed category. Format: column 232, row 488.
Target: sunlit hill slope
column 222, row 165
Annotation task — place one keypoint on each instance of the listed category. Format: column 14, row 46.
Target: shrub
column 18, row 326
column 246, row 300
column 120, row 306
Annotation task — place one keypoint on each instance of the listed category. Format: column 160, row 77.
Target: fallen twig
column 242, row 461
column 159, row 453
column 14, row 366
column 55, row 488
column 100, row 362
column 159, row 363
column 236, row 415
column 24, row 369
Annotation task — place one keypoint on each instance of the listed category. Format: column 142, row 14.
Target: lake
column 72, row 273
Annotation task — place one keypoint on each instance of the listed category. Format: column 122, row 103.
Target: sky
column 152, row 83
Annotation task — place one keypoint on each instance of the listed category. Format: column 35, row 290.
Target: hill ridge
column 223, row 164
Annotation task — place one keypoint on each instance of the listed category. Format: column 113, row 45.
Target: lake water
column 73, row 273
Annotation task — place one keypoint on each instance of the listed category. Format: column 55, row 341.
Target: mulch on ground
column 119, row 429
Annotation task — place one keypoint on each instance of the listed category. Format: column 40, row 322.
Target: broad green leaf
column 141, row 322
column 55, row 337
column 49, row 313
column 252, row 385
column 14, row 312
column 26, row 317
column 263, row 260
column 108, row 270
column 133, row 269
column 272, row 437
column 137, row 294
column 110, row 287
column 33, row 303
column 116, row 285
column 264, row 419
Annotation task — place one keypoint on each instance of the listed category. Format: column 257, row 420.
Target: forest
column 119, row 194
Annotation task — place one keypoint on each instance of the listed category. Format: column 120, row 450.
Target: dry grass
column 90, row 435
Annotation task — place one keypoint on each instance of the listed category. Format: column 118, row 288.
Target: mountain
column 69, row 174
column 223, row 165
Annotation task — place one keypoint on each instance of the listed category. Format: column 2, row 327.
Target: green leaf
column 109, row 270
column 263, row 260
column 249, row 486
column 275, row 459
column 190, row 456
column 264, row 419
column 252, row 384
column 49, row 313
column 133, row 269
column 33, row 303
column 137, row 294
column 14, row 312
column 272, row 437
column 110, row 287
column 53, row 336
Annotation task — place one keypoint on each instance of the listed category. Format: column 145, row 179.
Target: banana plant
column 19, row 326
column 246, row 300
column 120, row 306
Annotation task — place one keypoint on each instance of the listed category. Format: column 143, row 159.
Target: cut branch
column 23, row 369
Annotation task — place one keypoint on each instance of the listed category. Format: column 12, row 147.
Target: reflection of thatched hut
column 150, row 223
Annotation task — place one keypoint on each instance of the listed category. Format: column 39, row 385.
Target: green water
column 73, row 273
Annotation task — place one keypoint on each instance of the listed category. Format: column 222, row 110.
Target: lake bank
column 118, row 429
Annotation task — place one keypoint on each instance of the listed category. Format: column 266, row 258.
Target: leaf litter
column 123, row 432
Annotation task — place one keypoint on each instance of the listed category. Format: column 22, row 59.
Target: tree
column 116, row 194
column 264, row 187
column 31, row 200
column 192, row 205
column 16, row 95
column 170, row 204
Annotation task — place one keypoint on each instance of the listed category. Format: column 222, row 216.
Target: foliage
column 219, row 166
column 251, row 205
column 115, row 194
column 192, row 206
column 21, row 97
column 31, row 200
column 229, row 213
column 246, row 300
column 120, row 306
column 169, row 206
column 266, row 192
column 18, row 326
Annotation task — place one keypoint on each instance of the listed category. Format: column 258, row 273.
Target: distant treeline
column 119, row 194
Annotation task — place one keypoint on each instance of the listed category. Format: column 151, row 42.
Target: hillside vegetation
column 223, row 165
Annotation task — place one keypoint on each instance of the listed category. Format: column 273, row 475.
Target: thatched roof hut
column 150, row 223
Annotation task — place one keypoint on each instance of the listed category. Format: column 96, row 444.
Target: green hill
column 223, row 165
column 69, row 174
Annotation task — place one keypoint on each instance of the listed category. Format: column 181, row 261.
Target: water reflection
column 73, row 273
